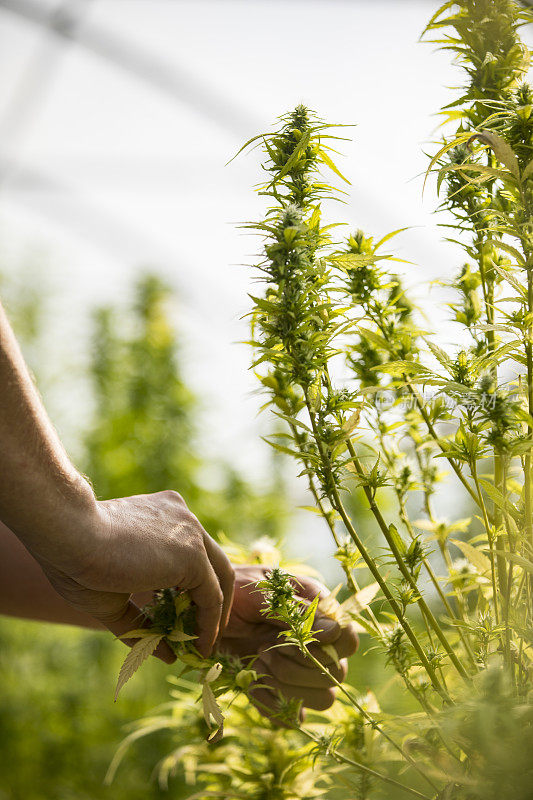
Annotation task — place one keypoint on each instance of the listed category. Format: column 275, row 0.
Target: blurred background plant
column 58, row 724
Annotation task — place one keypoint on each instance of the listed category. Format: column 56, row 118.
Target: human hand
column 139, row 544
column 250, row 633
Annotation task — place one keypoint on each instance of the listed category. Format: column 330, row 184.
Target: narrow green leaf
column 331, row 164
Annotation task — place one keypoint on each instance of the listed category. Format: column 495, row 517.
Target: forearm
column 41, row 492
column 97, row 554
column 26, row 592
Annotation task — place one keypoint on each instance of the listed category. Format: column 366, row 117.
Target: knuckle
column 190, row 533
column 173, row 496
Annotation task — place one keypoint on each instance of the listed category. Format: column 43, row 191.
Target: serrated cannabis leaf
column 138, row 653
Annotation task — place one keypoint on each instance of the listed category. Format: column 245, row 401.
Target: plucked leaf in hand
column 138, row 653
column 212, row 713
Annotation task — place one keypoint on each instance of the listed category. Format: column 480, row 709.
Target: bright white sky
column 113, row 174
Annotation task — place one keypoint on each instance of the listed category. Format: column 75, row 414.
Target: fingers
column 209, row 579
column 308, row 587
column 318, row 698
column 326, row 630
column 131, row 618
column 226, row 578
column 286, row 669
column 212, row 596
column 348, row 642
column 209, row 601
column 343, row 647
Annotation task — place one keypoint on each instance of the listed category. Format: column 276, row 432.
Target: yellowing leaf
column 478, row 559
column 181, row 603
column 213, row 673
column 502, row 150
column 352, row 422
column 330, row 607
column 138, row 653
column 498, row 498
column 370, row 703
column 358, row 602
column 138, row 633
column 331, row 652
column 180, row 636
column 212, row 712
column 315, row 394
column 331, row 164
column 192, row 661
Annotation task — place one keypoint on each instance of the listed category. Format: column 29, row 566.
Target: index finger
column 226, row 577
column 309, row 587
column 208, row 598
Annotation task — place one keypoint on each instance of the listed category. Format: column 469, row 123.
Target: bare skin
column 95, row 558
column 97, row 554
column 25, row 592
column 285, row 669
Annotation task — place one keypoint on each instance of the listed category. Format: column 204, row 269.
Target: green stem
column 488, row 528
column 403, row 569
column 434, row 580
column 392, row 602
column 327, row 517
column 529, row 362
column 369, row 561
column 434, row 435
column 368, row 770
column 351, row 699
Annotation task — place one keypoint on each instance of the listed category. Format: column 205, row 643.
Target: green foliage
column 273, row 763
column 141, row 437
column 465, row 655
column 325, row 300
column 58, row 724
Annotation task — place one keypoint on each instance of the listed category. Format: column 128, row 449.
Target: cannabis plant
column 368, row 400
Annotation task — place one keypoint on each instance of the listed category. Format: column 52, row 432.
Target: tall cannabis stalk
column 488, row 190
column 297, row 327
column 325, row 299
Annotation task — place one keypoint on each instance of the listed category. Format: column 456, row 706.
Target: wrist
column 57, row 519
